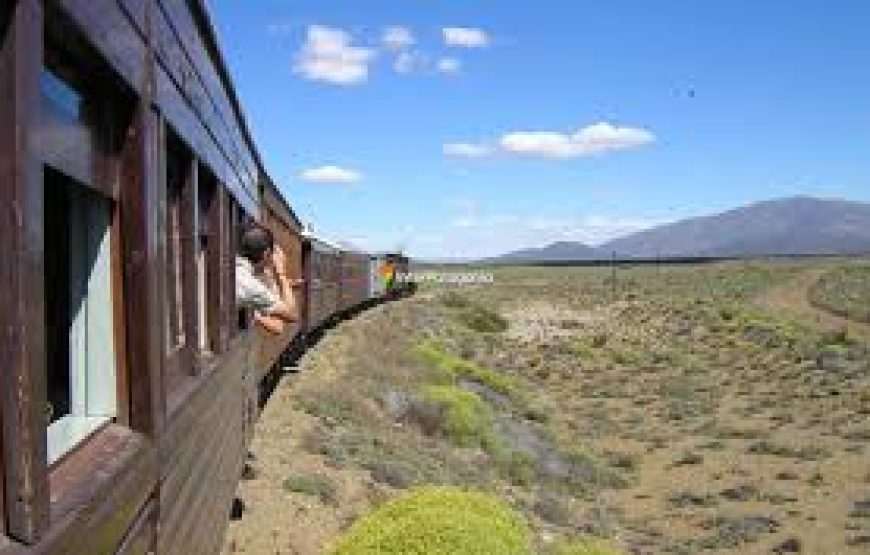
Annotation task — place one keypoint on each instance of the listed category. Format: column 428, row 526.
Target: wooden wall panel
column 167, row 482
column 110, row 30
column 143, row 271
column 22, row 318
column 212, row 421
column 102, row 487
column 119, row 30
column 186, row 28
column 185, row 80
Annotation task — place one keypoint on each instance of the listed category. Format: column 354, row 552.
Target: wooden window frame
column 22, row 382
column 180, row 360
column 92, row 405
column 229, row 249
column 121, row 153
column 219, row 265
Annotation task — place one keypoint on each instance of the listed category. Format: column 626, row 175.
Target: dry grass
column 669, row 414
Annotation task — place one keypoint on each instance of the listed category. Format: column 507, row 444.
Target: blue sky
column 463, row 128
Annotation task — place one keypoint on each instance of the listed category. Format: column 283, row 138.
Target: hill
column 554, row 252
column 788, row 226
column 796, row 225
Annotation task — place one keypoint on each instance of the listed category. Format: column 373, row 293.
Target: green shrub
column 472, row 314
column 438, row 521
column 518, row 467
column 328, row 406
column 769, row 333
column 314, row 485
column 589, row 472
column 844, row 291
column 468, row 419
column 482, row 319
column 452, row 366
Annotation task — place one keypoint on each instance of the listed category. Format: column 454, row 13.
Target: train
column 131, row 380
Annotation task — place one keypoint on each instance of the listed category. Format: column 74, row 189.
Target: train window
column 175, row 338
column 81, row 384
column 208, row 262
column 238, row 319
column 179, row 291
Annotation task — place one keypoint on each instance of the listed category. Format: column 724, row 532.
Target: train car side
column 323, row 284
column 354, row 280
column 131, row 380
column 286, row 230
column 126, row 167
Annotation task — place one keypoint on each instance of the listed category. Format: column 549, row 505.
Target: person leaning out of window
column 260, row 260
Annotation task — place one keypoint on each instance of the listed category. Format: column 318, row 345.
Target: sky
column 468, row 128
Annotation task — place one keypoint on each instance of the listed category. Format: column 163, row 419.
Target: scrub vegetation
column 673, row 409
column 845, row 291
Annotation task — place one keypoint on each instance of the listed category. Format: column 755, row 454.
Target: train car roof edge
column 203, row 19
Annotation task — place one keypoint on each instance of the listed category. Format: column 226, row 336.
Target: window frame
column 91, row 408
column 180, row 360
column 216, row 272
column 36, row 43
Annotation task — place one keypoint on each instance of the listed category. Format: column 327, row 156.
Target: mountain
column 555, row 252
column 794, row 225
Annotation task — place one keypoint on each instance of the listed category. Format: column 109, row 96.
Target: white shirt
column 251, row 291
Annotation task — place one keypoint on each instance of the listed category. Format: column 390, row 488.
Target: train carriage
column 130, row 378
column 286, row 229
column 354, row 279
column 322, row 261
column 126, row 168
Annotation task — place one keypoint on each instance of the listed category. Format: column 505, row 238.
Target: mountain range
column 787, row 226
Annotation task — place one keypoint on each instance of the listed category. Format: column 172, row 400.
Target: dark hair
column 255, row 241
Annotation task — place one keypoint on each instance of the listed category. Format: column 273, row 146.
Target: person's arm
column 252, row 293
column 269, row 323
column 287, row 308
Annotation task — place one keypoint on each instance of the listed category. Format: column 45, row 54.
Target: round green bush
column 438, row 521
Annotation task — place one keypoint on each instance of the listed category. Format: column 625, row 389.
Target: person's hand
column 279, row 259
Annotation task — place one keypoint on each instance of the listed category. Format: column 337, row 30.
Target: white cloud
column 466, row 150
column 448, row 66
column 329, row 56
column 594, row 139
column 465, row 37
column 409, row 62
column 330, row 174
column 397, row 38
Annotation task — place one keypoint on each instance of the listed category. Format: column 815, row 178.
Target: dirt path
column 792, row 299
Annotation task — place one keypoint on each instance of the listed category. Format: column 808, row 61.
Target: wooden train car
column 130, row 378
column 354, row 279
column 322, row 261
column 127, row 391
column 286, row 229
